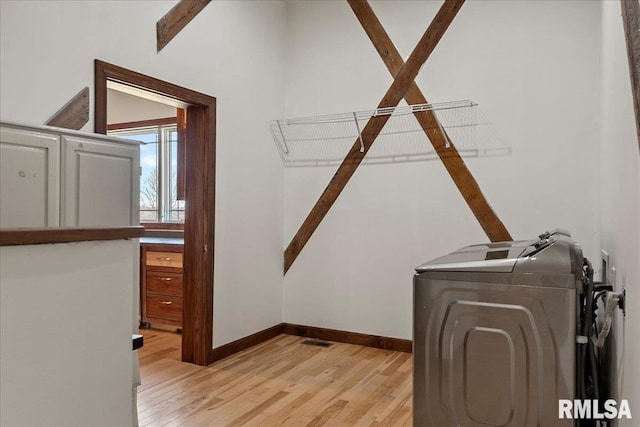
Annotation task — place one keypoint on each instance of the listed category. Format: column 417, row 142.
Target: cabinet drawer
column 164, row 259
column 164, row 307
column 159, row 282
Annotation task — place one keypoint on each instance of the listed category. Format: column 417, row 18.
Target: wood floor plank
column 394, row 412
column 276, row 383
column 255, row 411
column 328, row 413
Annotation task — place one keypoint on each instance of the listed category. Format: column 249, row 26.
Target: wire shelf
column 325, row 140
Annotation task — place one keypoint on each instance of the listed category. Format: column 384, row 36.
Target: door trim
column 198, row 267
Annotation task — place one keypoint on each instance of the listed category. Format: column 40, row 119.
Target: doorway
column 199, row 176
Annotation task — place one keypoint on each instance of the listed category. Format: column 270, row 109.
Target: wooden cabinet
column 161, row 285
column 52, row 177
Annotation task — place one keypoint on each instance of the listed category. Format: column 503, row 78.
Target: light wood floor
column 277, row 383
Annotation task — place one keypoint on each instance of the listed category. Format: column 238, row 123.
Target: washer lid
column 553, row 252
column 498, row 257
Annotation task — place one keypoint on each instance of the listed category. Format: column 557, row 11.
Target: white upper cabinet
column 29, row 180
column 52, row 177
column 101, row 183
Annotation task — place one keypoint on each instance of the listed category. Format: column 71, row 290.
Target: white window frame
column 163, row 162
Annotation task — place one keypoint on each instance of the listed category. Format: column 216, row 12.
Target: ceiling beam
column 394, row 95
column 74, row 114
column 631, row 22
column 457, row 169
column 176, row 19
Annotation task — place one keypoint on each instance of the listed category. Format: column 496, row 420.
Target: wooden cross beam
column 403, row 79
column 457, row 169
column 74, row 114
column 631, row 22
column 176, row 19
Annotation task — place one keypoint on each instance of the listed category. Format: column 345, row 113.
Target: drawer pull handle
column 163, row 259
column 165, row 279
column 165, row 302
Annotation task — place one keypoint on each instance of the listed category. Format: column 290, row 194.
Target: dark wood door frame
column 197, row 329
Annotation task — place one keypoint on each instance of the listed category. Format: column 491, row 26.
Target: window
column 159, row 167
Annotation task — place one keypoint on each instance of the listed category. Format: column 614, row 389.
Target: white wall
column 65, row 325
column 232, row 50
column 533, row 67
column 619, row 198
column 124, row 108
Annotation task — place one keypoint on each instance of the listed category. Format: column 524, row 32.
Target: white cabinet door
column 100, row 184
column 29, row 179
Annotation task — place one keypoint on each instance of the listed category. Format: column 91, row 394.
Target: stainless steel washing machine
column 495, row 334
